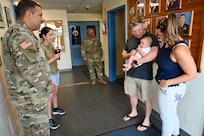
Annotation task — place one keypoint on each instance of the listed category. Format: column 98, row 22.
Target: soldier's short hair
column 25, row 5
column 44, row 31
column 135, row 21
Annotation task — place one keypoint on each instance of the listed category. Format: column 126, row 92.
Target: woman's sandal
column 127, row 117
column 142, row 127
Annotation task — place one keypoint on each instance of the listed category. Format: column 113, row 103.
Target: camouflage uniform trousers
column 32, row 112
column 95, row 65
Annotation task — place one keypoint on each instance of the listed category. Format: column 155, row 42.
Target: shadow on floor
column 86, row 73
column 92, row 110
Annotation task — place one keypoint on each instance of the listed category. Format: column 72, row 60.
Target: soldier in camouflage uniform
column 27, row 71
column 92, row 53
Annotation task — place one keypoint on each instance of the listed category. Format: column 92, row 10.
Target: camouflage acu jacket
column 91, row 48
column 26, row 67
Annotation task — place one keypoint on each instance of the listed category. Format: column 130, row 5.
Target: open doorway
column 116, row 41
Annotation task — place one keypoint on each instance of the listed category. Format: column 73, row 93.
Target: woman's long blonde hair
column 172, row 30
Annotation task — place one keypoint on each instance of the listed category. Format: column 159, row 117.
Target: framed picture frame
column 155, row 6
column 2, row 24
column 188, row 41
column 159, row 18
column 8, row 16
column 186, row 23
column 172, row 5
column 148, row 24
column 141, row 11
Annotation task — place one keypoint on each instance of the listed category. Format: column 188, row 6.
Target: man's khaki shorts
column 132, row 85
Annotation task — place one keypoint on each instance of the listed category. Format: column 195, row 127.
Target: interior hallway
column 94, row 110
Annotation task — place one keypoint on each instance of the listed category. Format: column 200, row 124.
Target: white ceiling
column 72, row 6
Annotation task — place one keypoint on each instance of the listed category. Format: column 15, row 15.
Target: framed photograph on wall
column 154, row 6
column 173, row 5
column 148, row 24
column 186, row 23
column 8, row 16
column 2, row 24
column 141, row 7
column 132, row 11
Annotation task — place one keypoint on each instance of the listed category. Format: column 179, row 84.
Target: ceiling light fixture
column 87, row 7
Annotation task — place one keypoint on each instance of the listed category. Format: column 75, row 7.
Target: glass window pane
column 76, row 35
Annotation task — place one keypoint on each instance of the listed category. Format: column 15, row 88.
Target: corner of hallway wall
column 108, row 5
column 9, row 123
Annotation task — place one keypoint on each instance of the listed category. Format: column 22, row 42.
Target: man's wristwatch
column 135, row 62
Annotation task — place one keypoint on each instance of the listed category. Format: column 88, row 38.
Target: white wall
column 65, row 61
column 84, row 17
column 191, row 108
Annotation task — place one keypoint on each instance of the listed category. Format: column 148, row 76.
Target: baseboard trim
column 156, row 121
column 65, row 70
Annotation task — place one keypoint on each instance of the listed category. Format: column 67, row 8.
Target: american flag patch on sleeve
column 25, row 44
